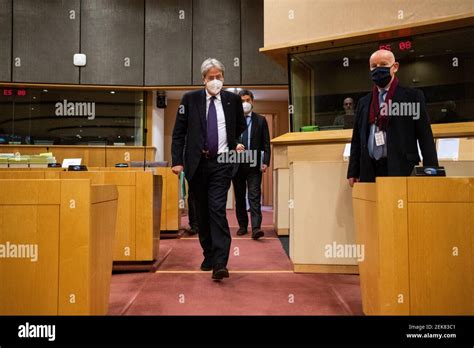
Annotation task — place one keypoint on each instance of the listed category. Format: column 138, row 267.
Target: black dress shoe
column 192, row 231
column 220, row 272
column 257, row 233
column 242, row 231
column 206, row 266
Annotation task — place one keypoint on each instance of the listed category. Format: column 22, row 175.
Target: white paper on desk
column 448, row 149
column 347, row 152
column 71, row 162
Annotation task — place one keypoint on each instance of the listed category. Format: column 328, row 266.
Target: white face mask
column 247, row 107
column 214, row 86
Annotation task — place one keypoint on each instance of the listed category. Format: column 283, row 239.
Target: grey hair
column 210, row 63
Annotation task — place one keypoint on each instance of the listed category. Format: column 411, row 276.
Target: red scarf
column 382, row 120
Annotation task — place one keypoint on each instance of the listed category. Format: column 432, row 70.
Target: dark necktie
column 212, row 135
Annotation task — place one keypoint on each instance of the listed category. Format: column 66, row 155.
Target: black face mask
column 381, row 76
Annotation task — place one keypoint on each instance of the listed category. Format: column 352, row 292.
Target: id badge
column 379, row 138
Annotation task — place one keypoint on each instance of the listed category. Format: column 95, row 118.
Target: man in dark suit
column 248, row 176
column 388, row 123
column 208, row 123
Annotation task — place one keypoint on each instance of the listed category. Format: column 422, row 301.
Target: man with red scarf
column 384, row 144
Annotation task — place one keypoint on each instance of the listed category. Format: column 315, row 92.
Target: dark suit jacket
column 259, row 141
column 190, row 127
column 402, row 134
column 259, row 138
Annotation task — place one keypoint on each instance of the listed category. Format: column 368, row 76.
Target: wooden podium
column 418, row 238
column 71, row 225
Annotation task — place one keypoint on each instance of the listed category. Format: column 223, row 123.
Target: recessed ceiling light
column 45, row 90
column 112, row 92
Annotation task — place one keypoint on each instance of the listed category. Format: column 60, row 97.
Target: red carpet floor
column 261, row 283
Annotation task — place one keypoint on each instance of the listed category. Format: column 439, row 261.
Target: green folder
column 182, row 186
column 309, row 128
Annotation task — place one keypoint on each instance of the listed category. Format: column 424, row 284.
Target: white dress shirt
column 221, row 129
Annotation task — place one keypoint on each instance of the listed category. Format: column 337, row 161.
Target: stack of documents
column 10, row 160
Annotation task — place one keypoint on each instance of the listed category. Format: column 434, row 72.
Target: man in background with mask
column 384, row 143
column 256, row 138
column 208, row 123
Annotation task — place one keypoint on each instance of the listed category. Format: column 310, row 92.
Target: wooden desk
column 72, row 224
column 320, row 217
column 419, row 239
column 139, row 206
column 328, row 146
column 138, row 211
column 92, row 156
column 170, row 218
column 104, row 158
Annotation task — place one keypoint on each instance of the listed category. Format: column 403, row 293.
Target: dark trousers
column 380, row 167
column 248, row 179
column 210, row 185
column 192, row 210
